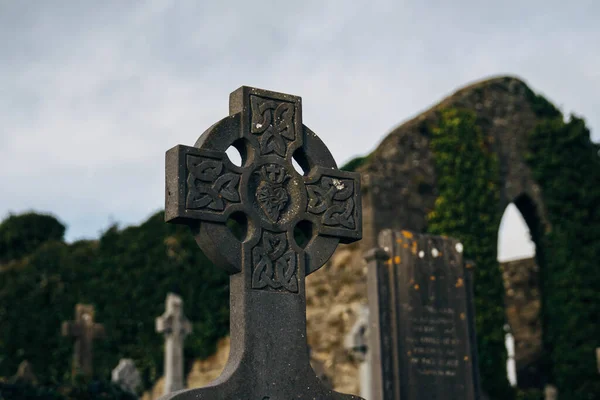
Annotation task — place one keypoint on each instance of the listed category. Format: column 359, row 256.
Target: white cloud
column 94, row 93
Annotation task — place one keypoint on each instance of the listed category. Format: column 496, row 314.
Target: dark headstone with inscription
column 269, row 227
column 421, row 319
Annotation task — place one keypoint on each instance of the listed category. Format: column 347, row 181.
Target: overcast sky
column 92, row 93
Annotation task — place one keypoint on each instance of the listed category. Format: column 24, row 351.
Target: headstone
column 24, row 374
column 85, row 331
column 511, row 366
column 550, row 392
column 356, row 343
column 275, row 206
column 175, row 327
column 127, row 376
column 421, row 319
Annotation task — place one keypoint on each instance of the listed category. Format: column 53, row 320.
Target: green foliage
column 20, row 235
column 566, row 164
column 531, row 394
column 91, row 391
column 355, row 163
column 467, row 208
column 126, row 276
column 541, row 106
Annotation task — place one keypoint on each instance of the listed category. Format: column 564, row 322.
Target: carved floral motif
column 274, row 122
column 332, row 198
column 210, row 185
column 274, row 263
column 271, row 193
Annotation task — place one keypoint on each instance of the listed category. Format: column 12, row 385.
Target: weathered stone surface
column 523, row 304
column 275, row 206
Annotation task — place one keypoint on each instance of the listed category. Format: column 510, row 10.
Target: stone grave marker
column 85, row 331
column 175, row 327
column 127, row 376
column 421, row 319
column 356, row 343
column 269, row 227
column 24, row 374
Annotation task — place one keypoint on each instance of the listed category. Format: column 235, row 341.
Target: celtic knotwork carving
column 209, row 184
column 332, row 198
column 274, row 121
column 274, row 263
column 271, row 193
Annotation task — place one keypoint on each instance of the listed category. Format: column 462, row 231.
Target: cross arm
column 71, row 328
column 201, row 185
column 334, row 203
column 98, row 331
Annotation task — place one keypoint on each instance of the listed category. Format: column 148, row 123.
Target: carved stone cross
column 268, row 263
column 175, row 326
column 84, row 330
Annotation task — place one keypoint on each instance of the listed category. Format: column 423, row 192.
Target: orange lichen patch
column 388, row 261
column 432, row 278
column 414, row 248
column 459, row 282
column 405, row 245
column 407, row 234
column 417, row 286
column 466, row 358
column 398, row 240
column 469, row 266
column 397, row 260
column 462, row 316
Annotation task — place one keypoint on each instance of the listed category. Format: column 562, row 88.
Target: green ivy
column 566, row 164
column 531, row 394
column 355, row 163
column 467, row 208
column 126, row 275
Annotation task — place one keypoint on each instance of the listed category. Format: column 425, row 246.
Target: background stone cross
column 84, row 330
column 175, row 326
column 292, row 222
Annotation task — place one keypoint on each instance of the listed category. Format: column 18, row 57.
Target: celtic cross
column 250, row 220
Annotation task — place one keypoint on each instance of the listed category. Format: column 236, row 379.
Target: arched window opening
column 520, row 273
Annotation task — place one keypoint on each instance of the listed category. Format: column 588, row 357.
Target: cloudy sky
column 92, row 93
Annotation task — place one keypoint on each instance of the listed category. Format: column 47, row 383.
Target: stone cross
column 289, row 224
column 127, row 376
column 175, row 328
column 84, row 330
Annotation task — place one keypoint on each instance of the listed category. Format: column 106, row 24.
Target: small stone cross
column 291, row 223
column 84, row 330
column 175, row 327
